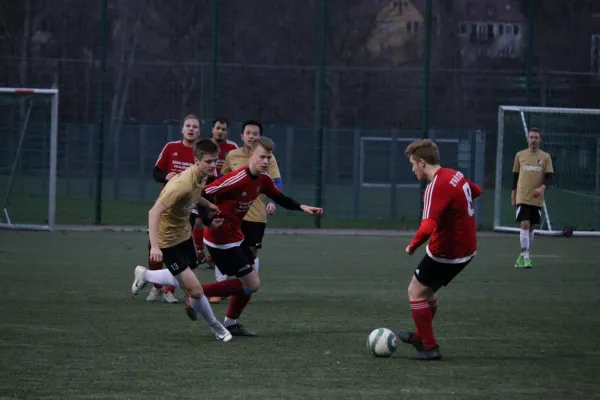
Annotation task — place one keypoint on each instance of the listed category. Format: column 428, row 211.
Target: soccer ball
column 382, row 342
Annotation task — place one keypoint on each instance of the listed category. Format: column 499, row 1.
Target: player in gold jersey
column 171, row 234
column 532, row 174
column 255, row 221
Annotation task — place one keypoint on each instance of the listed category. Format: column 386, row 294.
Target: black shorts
column 526, row 212
column 236, row 261
column 180, row 257
column 434, row 274
column 253, row 233
column 193, row 217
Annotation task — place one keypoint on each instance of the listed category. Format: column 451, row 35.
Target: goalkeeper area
column 572, row 138
column 71, row 330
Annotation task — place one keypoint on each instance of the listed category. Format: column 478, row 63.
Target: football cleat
column 409, row 338
column 139, row 281
column 154, row 294
column 239, row 330
column 428, row 355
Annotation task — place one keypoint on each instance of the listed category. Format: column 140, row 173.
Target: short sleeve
column 273, row 169
column 517, row 164
column 173, row 191
column 163, row 159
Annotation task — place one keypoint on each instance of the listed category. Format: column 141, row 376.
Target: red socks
column 226, row 288
column 198, row 235
column 237, row 304
column 422, row 314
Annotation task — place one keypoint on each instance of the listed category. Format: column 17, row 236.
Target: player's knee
column 198, row 223
column 525, row 225
column 417, row 291
column 196, row 293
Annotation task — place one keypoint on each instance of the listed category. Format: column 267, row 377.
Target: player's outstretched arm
column 475, row 189
column 268, row 187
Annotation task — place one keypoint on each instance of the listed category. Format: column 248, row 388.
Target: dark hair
column 425, row 150
column 221, row 120
column 191, row 116
column 204, row 146
column 263, row 142
column 535, row 130
column 252, row 122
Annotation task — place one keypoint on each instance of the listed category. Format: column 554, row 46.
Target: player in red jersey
column 449, row 219
column 174, row 158
column 219, row 136
column 234, row 193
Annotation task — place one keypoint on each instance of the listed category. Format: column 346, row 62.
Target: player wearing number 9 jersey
column 449, row 222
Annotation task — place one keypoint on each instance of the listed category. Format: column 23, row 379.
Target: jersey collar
column 250, row 174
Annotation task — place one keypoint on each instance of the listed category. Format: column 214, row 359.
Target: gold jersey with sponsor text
column 531, row 166
column 180, row 195
column 235, row 160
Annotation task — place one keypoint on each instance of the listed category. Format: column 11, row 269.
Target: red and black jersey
column 224, row 149
column 449, row 217
column 175, row 157
column 234, row 193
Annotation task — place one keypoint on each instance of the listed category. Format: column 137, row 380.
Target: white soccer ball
column 382, row 342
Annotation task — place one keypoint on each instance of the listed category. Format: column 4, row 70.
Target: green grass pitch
column 71, row 330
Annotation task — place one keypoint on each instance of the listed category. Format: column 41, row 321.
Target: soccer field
column 71, row 330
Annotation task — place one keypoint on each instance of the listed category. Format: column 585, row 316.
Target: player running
column 174, row 158
column 255, row 221
column 234, row 194
column 171, row 235
column 219, row 136
column 532, row 174
column 449, row 218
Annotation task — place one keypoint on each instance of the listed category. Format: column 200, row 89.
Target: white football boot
column 139, row 280
column 154, row 294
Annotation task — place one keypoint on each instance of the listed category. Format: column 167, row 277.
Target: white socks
column 203, row 308
column 256, row 263
column 228, row 322
column 524, row 237
column 161, row 277
column 530, row 239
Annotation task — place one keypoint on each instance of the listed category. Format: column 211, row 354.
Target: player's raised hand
column 311, row 210
column 270, row 209
column 156, row 255
column 171, row 175
column 216, row 222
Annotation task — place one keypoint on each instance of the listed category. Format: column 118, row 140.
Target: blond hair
column 425, row 150
column 263, row 142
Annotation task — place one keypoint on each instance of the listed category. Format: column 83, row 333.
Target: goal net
column 28, row 157
column 572, row 138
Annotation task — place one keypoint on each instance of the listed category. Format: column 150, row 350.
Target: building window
column 508, row 29
column 516, row 30
column 500, row 30
column 463, row 29
column 409, row 26
column 416, row 26
column 490, row 29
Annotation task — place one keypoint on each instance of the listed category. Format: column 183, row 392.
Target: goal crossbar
column 53, row 93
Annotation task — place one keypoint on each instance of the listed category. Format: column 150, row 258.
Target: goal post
column 572, row 138
column 28, row 158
